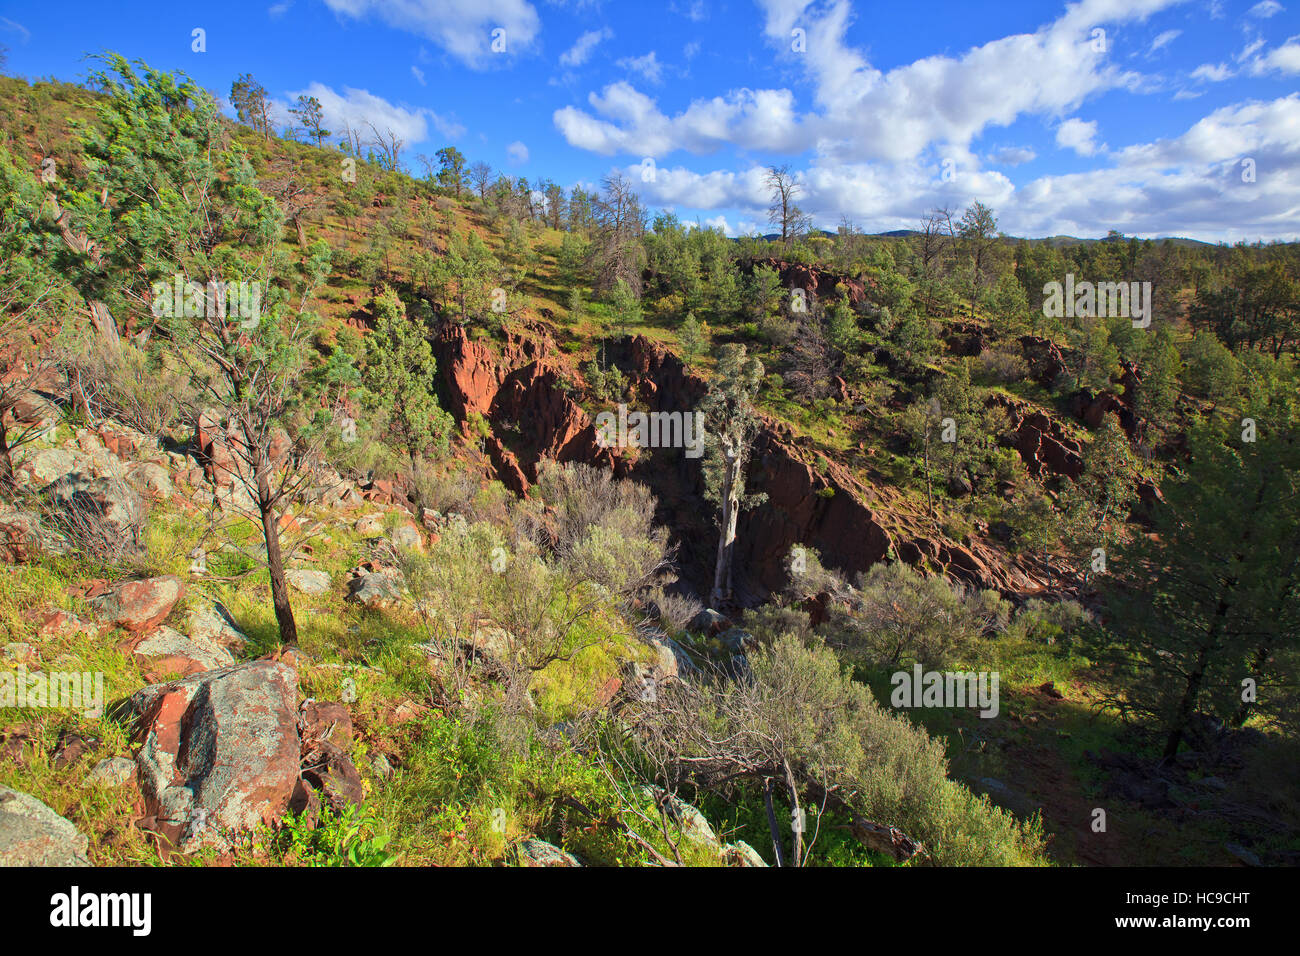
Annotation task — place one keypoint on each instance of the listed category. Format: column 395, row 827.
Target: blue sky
column 1147, row 116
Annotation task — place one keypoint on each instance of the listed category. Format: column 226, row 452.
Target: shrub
column 896, row 616
column 1000, row 367
column 130, row 386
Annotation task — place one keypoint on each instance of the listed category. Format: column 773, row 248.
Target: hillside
column 367, row 549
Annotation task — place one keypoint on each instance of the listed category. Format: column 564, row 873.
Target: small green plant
column 348, row 838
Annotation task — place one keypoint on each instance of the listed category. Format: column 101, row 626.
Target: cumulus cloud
column 1283, row 59
column 464, row 28
column 865, row 113
column 1078, row 135
column 359, row 109
column 583, row 47
column 1189, row 185
column 517, row 153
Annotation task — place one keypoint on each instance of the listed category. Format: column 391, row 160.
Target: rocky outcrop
column 31, row 834
column 219, row 752
column 818, row 282
column 1045, row 358
column 1044, row 445
column 525, row 400
column 534, row 852
column 825, row 510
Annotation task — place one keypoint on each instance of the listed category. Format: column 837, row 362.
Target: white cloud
column 1265, row 9
column 582, row 48
column 691, row 50
column 695, row 11
column 464, row 28
column 277, row 10
column 647, row 65
column 1164, row 39
column 1188, row 185
column 418, row 74
column 517, row 153
column 16, row 27
column 1013, row 156
column 1214, row 73
column 1283, row 59
column 1249, row 49
column 861, row 112
column 358, row 109
column 1078, row 135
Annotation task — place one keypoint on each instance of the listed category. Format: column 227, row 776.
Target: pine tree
column 1211, row 599
column 312, row 115
column 399, row 374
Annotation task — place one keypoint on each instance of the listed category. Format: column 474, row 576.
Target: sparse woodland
column 339, row 400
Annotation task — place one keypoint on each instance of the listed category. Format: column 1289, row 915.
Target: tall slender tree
column 732, row 422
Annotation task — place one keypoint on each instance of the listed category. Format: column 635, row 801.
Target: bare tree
column 389, row 146
column 620, row 223
column 783, row 211
column 480, row 174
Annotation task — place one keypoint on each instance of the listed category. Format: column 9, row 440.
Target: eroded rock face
column 219, row 751
column 523, row 388
column 828, row 513
column 1044, row 446
column 810, row 500
column 31, row 834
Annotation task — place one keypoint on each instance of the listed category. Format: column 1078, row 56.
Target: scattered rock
column 139, row 605
column 1242, row 854
column 19, row 535
column 374, row 590
column 168, row 651
column 109, row 502
column 111, row 772
column 44, row 466
column 408, row 536
column 371, row 524
column 534, row 852
column 59, row 623
column 689, row 820
column 325, row 722
column 308, row 581
column 150, row 479
column 31, row 834
column 331, row 773
column 213, row 624
column 71, row 747
column 18, row 652
column 710, row 622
